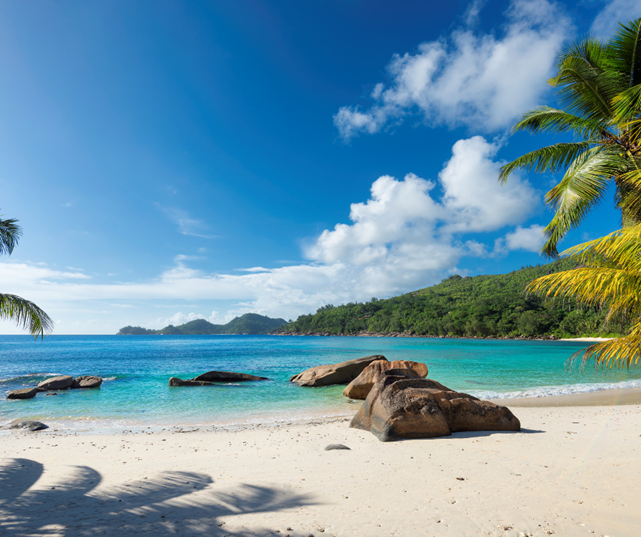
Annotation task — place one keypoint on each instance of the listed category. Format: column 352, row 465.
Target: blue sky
column 175, row 160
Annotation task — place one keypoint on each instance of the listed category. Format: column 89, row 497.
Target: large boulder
column 28, row 425
column 361, row 385
column 56, row 383
column 342, row 373
column 174, row 381
column 227, row 376
column 403, row 406
column 24, row 393
column 86, row 381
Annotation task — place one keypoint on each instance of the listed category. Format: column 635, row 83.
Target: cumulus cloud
column 410, row 233
column 468, row 78
column 616, row 11
column 530, row 239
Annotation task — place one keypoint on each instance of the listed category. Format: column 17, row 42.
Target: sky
column 172, row 160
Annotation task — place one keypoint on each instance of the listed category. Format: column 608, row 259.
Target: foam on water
column 547, row 391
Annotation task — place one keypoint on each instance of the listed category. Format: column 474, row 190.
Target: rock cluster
column 361, row 385
column 209, row 378
column 400, row 405
column 342, row 373
column 63, row 382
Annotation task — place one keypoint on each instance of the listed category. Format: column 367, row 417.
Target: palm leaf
column 25, row 314
column 10, row 232
column 547, row 159
column 581, row 188
column 625, row 52
column 582, row 83
column 548, row 119
column 619, row 353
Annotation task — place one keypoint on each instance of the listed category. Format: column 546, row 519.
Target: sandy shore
column 571, row 471
column 587, row 339
column 623, row 396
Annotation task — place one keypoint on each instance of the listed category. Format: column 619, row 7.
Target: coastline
column 612, row 397
column 558, row 476
column 424, row 336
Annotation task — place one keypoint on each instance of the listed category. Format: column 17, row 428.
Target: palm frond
column 548, row 119
column 25, row 314
column 548, row 159
column 582, row 82
column 10, row 232
column 625, row 51
column 627, row 104
column 616, row 353
column 581, row 188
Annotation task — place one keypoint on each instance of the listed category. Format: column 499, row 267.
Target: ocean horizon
column 136, row 371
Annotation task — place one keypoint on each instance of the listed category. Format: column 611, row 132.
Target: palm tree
column 26, row 314
column 600, row 87
column 609, row 277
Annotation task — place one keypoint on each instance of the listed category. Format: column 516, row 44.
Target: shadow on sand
column 167, row 504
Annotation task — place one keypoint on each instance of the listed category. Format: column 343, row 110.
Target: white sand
column 587, row 339
column 572, row 471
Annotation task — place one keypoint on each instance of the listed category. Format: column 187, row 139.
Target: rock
column 173, row 381
column 227, row 376
column 24, row 393
column 56, row 383
column 28, row 425
column 332, row 447
column 86, row 381
column 403, row 406
column 361, row 385
column 342, row 373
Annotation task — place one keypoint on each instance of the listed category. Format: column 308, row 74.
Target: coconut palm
column 608, row 277
column 599, row 84
column 12, row 307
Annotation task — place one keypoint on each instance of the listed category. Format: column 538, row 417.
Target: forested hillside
column 250, row 323
column 479, row 306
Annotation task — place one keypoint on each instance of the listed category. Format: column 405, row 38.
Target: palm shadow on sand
column 160, row 505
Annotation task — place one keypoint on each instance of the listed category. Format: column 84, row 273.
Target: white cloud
column 469, row 79
column 616, row 11
column 530, row 239
column 409, row 234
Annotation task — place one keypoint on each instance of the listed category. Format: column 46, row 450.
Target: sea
column 136, row 370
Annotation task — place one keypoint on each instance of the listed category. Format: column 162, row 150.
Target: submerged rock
column 56, row 383
column 227, row 376
column 174, row 381
column 24, row 393
column 403, row 406
column 361, row 385
column 341, row 373
column 86, row 381
column 28, row 425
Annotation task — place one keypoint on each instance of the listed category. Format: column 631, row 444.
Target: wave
column 28, row 378
column 567, row 389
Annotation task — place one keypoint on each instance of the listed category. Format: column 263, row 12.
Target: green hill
column 250, row 323
column 479, row 306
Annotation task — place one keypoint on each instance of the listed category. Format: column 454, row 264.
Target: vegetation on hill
column 250, row 323
column 479, row 306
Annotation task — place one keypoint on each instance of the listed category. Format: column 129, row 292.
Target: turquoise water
column 137, row 369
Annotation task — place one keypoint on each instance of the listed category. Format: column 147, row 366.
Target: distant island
column 491, row 306
column 250, row 323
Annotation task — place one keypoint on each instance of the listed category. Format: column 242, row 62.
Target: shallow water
column 137, row 369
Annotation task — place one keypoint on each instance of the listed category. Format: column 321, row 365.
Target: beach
column 570, row 471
